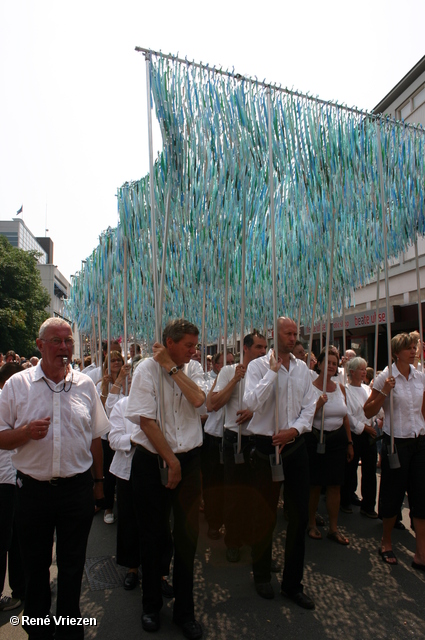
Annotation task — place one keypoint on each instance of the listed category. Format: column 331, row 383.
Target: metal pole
column 203, row 346
column 108, row 323
column 158, row 319
column 164, row 256
column 299, row 322
column 93, row 341
column 321, row 443
column 275, row 462
column 99, row 330
column 344, row 337
column 226, row 301
column 418, row 283
column 393, row 456
column 81, row 352
column 310, row 341
column 125, row 310
column 375, row 355
column 239, row 459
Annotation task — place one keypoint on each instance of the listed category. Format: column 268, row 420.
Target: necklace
column 64, row 385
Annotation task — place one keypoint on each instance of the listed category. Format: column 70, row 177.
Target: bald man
column 296, row 410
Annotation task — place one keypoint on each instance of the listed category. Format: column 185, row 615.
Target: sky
column 73, row 115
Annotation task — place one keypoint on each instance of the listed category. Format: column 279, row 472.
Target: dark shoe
column 166, row 589
column 319, row 520
column 369, row 514
column 265, row 590
column 275, row 566
column 233, row 554
column 301, row 599
column 131, row 581
column 355, row 500
column 399, row 525
column 191, row 629
column 8, row 604
column 345, row 508
column 417, row 566
column 150, row 621
column 214, row 534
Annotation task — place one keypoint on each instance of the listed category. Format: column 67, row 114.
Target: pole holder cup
column 393, row 459
column 163, row 472
column 321, row 447
column 277, row 469
column 239, row 459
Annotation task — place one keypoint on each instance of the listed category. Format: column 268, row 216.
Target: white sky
column 73, row 123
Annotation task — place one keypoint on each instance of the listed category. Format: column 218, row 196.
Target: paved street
column 357, row 596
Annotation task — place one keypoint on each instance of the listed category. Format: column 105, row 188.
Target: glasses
column 56, row 342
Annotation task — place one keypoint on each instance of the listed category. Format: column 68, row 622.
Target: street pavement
column 357, row 596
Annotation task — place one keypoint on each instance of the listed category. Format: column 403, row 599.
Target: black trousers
column 239, row 492
column 42, row 510
column 110, row 480
column 364, row 450
column 296, row 497
column 153, row 506
column 212, row 481
column 9, row 544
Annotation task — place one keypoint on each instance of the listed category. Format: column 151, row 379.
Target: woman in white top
column 119, row 372
column 363, row 436
column 407, row 386
column 327, row 469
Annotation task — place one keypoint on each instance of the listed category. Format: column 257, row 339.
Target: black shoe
column 345, row 508
column 301, row 599
column 275, row 566
column 399, row 525
column 150, row 621
column 355, row 500
column 191, row 629
column 369, row 514
column 265, row 590
column 233, row 554
column 213, row 534
column 166, row 589
column 131, row 581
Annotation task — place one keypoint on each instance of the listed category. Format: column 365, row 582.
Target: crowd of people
column 167, row 437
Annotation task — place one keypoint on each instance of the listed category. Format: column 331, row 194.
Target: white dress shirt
column 233, row 405
column 182, row 429
column 356, row 399
column 215, row 421
column 297, row 401
column 120, row 440
column 76, row 417
column 408, row 397
column 7, row 470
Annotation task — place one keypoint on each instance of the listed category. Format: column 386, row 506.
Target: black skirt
column 327, row 469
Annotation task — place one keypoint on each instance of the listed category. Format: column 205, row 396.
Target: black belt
column 403, row 442
column 265, row 446
column 54, row 482
column 231, row 436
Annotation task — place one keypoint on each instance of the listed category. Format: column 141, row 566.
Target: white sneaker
column 7, row 603
column 108, row 518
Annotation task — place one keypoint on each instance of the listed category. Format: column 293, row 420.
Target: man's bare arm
column 34, row 430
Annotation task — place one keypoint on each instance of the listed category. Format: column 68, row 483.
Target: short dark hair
column 177, row 329
column 9, row 369
column 332, row 351
column 248, row 341
column 10, row 353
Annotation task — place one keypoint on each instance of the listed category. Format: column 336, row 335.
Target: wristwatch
column 173, row 370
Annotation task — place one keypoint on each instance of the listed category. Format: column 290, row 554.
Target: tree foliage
column 22, row 299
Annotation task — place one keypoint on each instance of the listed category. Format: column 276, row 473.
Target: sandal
column 336, row 536
column 388, row 556
column 314, row 533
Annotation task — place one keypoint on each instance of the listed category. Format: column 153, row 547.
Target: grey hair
column 354, row 364
column 51, row 322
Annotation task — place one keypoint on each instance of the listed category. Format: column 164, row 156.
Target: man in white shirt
column 228, row 394
column 53, row 418
column 296, row 410
column 177, row 443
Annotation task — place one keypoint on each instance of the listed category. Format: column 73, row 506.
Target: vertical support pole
column 375, row 355
column 203, row 345
column 108, row 322
column 418, row 284
column 125, row 309
column 226, row 301
column 275, row 462
column 344, row 338
column 393, row 456
column 321, row 443
column 93, row 341
column 310, row 341
column 99, row 330
column 239, row 459
column 154, row 242
column 81, row 351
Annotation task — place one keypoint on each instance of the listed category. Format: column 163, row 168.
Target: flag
column 20, row 210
